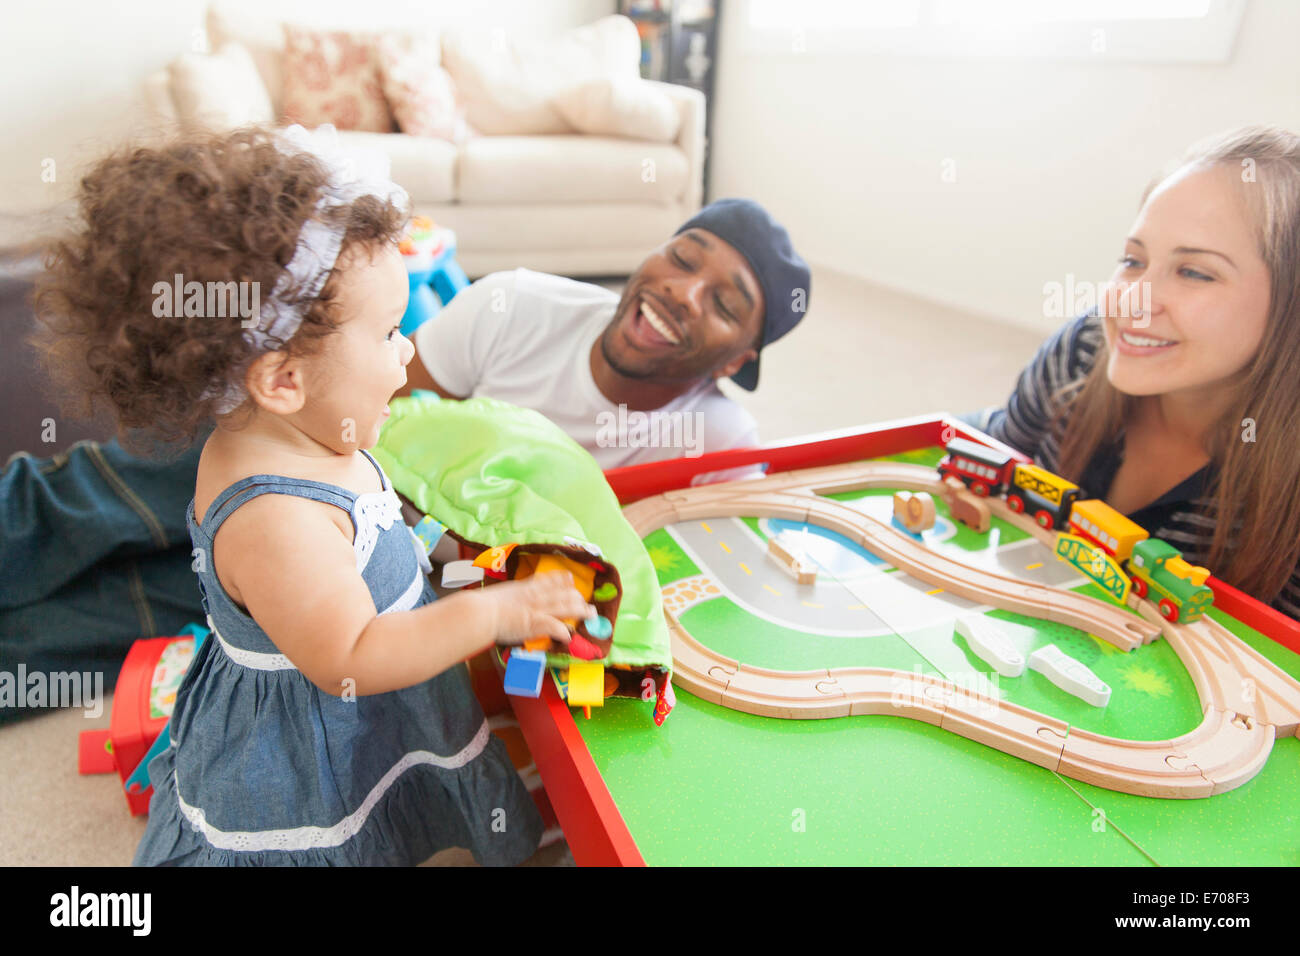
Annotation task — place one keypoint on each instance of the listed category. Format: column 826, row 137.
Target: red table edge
column 593, row 826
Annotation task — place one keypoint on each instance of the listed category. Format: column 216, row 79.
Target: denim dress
column 267, row 769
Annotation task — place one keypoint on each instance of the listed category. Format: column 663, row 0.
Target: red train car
column 984, row 470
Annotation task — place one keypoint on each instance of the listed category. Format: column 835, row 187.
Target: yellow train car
column 1105, row 527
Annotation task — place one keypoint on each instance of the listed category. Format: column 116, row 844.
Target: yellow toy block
column 584, row 577
column 586, row 684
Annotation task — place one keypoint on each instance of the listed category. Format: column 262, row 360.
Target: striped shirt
column 1183, row 515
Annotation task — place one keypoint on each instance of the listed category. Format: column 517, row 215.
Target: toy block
column 583, row 575
column 991, row 644
column 790, row 557
column 458, row 574
column 586, row 684
column 971, row 510
column 524, row 673
column 1072, row 676
column 583, row 579
column 914, row 510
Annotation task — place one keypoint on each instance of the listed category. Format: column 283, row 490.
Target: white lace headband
column 352, row 173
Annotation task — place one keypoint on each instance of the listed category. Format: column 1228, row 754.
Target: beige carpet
column 862, row 355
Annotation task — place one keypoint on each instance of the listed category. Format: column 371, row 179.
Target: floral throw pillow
column 419, row 91
column 333, row 77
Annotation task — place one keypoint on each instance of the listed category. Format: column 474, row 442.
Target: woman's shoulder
column 1071, row 351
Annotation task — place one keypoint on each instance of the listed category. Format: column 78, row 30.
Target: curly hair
column 212, row 208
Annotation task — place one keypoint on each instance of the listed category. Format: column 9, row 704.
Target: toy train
column 1109, row 548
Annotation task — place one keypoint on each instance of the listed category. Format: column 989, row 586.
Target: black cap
column 782, row 274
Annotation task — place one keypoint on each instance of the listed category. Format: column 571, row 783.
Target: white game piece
column 991, row 645
column 788, row 552
column 1070, row 675
column 457, row 574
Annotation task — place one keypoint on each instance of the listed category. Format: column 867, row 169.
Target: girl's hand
column 535, row 607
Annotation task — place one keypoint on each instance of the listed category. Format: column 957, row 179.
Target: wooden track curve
column 1247, row 700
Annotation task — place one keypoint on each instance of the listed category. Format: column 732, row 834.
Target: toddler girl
column 325, row 721
column 1179, row 403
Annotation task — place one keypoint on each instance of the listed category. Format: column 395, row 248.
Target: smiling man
column 632, row 378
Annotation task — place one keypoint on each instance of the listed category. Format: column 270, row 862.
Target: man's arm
column 417, row 376
column 459, row 340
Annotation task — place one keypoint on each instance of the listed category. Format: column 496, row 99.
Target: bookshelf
column 679, row 44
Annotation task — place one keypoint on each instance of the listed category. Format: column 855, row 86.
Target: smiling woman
column 1183, row 413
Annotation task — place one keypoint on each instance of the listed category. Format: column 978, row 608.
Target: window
column 1159, row 31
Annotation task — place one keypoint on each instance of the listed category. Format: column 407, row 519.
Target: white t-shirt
column 525, row 337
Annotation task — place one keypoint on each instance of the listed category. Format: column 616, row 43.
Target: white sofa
column 571, row 204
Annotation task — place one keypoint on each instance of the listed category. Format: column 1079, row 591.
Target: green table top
column 717, row 786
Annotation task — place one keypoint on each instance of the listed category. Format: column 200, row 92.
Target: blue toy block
column 524, row 673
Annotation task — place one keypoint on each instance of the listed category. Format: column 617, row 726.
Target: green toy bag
column 498, row 475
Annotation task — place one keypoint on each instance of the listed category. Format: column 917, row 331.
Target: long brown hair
column 1255, row 447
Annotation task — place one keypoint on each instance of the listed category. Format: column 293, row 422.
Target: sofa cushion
column 333, row 77
column 619, row 106
column 420, row 93
column 262, row 33
column 219, row 92
column 424, row 167
column 506, row 83
column 569, row 168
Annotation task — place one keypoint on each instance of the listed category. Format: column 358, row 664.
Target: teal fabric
column 495, row 473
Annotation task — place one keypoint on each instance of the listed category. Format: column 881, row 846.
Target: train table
column 844, row 720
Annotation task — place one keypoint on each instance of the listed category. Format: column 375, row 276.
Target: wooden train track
column 1247, row 701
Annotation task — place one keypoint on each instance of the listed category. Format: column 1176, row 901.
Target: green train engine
column 1177, row 588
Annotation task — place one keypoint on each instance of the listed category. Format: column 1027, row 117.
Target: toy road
column 1247, row 701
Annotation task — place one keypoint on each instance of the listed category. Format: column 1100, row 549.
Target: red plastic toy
column 142, row 706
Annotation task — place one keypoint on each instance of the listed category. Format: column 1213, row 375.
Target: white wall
column 72, row 71
column 1051, row 156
